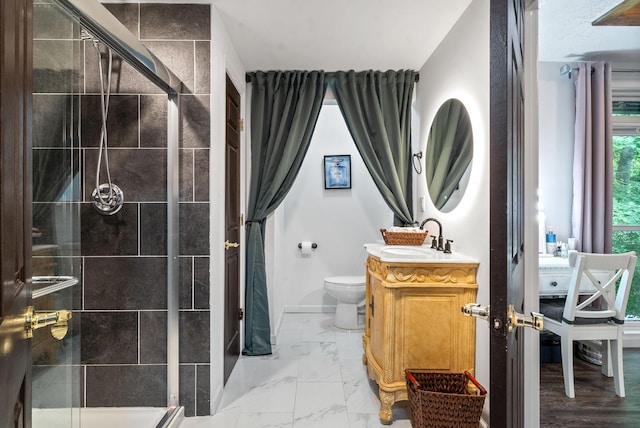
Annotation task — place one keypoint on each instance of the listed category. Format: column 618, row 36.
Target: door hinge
column 241, row 124
column 240, row 314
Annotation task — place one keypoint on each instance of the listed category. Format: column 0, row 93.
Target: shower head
column 85, row 35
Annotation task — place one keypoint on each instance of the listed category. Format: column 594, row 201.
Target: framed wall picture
column 337, row 172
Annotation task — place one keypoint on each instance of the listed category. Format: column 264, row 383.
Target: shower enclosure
column 126, row 276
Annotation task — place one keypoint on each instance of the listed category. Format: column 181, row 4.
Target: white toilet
column 349, row 292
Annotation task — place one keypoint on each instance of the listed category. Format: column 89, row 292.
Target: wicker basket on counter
column 403, row 238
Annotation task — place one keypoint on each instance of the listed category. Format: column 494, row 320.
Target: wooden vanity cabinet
column 413, row 320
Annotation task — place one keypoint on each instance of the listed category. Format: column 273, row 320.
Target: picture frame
column 337, row 172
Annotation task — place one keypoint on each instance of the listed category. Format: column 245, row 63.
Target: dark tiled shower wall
column 124, row 313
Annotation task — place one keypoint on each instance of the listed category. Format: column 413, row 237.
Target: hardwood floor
column 595, row 404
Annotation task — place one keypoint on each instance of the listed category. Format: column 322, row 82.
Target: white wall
column 556, row 112
column 224, row 60
column 459, row 68
column 340, row 221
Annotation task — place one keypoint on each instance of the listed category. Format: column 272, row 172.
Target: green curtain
column 376, row 106
column 284, row 110
column 449, row 151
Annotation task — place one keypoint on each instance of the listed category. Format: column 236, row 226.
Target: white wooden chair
column 593, row 313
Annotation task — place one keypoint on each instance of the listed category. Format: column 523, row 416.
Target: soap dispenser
column 552, row 247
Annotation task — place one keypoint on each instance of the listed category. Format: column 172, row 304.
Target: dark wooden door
column 15, row 211
column 232, row 231
column 506, row 212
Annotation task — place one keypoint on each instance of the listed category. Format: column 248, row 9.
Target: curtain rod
column 568, row 70
column 248, row 77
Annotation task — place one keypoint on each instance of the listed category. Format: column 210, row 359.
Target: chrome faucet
column 440, row 239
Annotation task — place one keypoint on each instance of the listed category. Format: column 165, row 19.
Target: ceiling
column 400, row 34
column 566, row 33
column 337, row 34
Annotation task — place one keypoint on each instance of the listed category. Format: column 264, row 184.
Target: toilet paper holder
column 313, row 245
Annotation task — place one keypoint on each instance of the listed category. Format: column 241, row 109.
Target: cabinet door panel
column 426, row 332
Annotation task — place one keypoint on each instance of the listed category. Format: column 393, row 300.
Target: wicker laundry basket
column 403, row 238
column 444, row 400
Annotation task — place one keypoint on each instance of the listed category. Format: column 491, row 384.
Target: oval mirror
column 448, row 155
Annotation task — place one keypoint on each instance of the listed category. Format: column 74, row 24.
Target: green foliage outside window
column 626, row 207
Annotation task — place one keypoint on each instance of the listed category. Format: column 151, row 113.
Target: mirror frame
column 449, row 154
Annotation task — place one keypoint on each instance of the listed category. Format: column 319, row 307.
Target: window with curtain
column 626, row 181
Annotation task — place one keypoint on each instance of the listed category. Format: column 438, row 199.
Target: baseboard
column 276, row 328
column 299, row 309
column 632, row 335
column 310, row 309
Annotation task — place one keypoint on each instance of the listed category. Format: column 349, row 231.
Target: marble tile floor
column 314, row 379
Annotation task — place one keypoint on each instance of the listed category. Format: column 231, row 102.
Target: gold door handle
column 228, row 245
column 476, row 310
column 514, row 319
column 58, row 320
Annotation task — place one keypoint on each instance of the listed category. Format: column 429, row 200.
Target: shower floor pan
column 99, row 417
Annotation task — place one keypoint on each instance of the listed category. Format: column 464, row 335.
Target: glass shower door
column 56, row 226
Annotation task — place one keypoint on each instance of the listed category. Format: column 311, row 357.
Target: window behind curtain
column 626, row 174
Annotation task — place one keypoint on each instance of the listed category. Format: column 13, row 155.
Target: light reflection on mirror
column 448, row 155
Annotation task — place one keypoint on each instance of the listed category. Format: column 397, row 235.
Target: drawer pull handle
column 554, row 283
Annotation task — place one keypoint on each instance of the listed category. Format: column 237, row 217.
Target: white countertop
column 550, row 262
column 414, row 254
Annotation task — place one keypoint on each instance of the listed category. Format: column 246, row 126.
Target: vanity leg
column 365, row 361
column 386, row 401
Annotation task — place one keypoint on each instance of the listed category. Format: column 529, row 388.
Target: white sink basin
column 414, row 254
column 396, row 251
